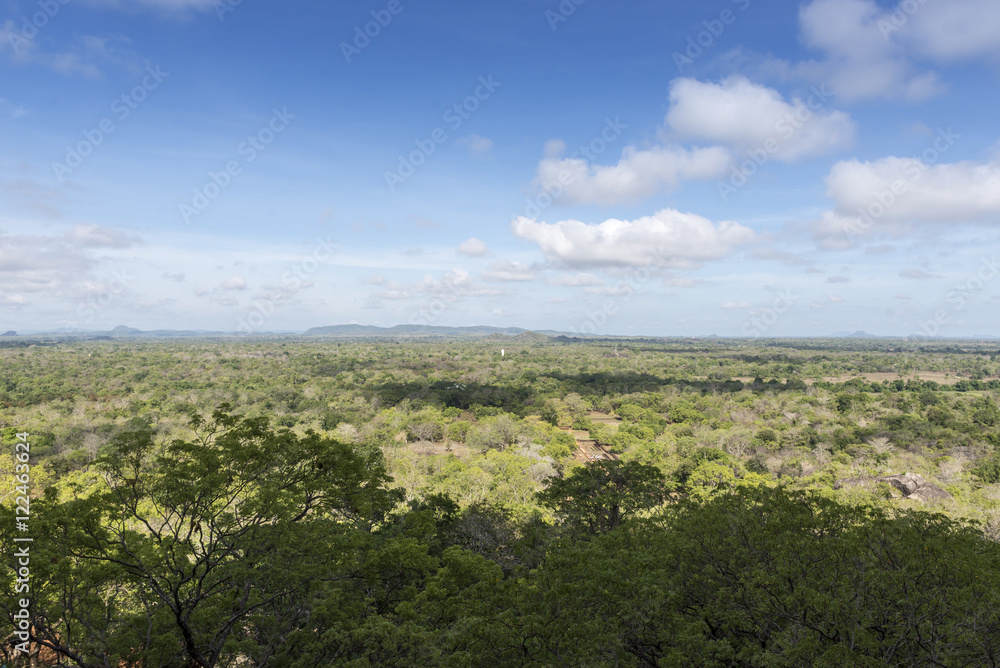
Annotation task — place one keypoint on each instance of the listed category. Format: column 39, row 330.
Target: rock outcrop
column 911, row 486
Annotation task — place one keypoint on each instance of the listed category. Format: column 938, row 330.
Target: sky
column 728, row 167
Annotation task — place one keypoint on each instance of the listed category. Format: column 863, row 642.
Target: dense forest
column 419, row 502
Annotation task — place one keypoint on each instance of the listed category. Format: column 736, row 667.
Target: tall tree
column 201, row 551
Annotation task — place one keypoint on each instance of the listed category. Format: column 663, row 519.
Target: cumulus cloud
column 639, row 173
column 473, row 247
column 668, row 238
column 885, row 193
column 748, row 116
column 872, row 51
column 734, row 114
column 953, row 30
column 862, row 59
column 955, row 192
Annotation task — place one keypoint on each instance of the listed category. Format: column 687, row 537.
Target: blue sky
column 731, row 167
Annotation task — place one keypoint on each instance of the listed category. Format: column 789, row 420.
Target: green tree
column 602, row 495
column 200, row 550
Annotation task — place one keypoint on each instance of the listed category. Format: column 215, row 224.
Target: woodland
column 316, row 501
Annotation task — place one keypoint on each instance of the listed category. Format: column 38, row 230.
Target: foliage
column 605, row 494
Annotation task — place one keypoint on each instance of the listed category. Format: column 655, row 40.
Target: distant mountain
column 342, row 331
column 10, row 333
column 122, row 330
column 856, row 335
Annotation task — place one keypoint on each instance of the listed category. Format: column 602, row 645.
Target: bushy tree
column 602, row 495
column 197, row 550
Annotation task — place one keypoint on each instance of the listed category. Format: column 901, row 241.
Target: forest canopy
column 292, row 503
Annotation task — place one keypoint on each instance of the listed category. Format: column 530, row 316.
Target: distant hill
column 855, row 335
column 342, row 331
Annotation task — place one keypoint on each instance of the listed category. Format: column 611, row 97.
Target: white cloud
column 55, row 264
column 748, row 116
column 948, row 30
column 735, row 305
column 916, row 274
column 610, row 290
column 454, row 285
column 873, row 52
column 668, row 238
column 510, row 271
column 835, row 299
column 862, row 59
column 84, row 55
column 473, row 247
column 639, row 173
column 575, row 280
column 9, row 110
column 477, row 146
column 234, row 283
column 169, row 6
column 881, row 195
column 97, row 236
column 962, row 191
